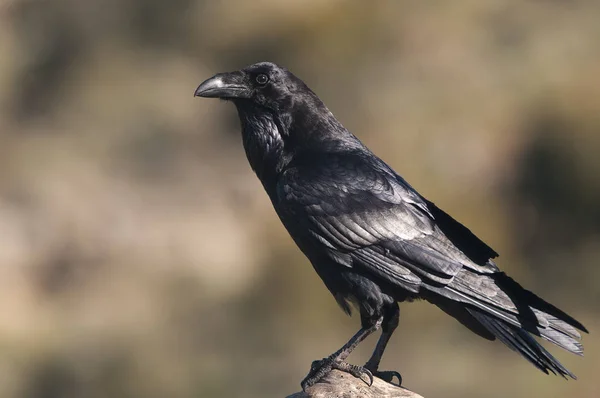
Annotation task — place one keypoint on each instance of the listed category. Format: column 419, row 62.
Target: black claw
column 364, row 372
column 388, row 376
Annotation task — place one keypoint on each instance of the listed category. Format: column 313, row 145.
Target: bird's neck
column 263, row 143
column 272, row 139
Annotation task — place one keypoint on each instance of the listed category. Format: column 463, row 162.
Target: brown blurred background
column 141, row 258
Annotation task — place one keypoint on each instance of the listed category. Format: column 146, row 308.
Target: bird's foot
column 322, row 367
column 385, row 375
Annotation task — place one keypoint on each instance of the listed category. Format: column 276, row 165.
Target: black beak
column 224, row 85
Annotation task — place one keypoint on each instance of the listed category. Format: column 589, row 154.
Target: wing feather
column 364, row 209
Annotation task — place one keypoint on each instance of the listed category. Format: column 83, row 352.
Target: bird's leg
column 391, row 319
column 321, row 367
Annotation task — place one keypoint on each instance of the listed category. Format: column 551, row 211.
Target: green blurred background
column 140, row 256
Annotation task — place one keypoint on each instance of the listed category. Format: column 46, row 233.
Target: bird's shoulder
column 344, row 181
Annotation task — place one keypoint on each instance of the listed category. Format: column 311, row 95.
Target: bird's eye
column 262, row 79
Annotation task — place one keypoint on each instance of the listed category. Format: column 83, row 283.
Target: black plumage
column 372, row 238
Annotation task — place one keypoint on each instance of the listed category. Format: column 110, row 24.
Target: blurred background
column 140, row 256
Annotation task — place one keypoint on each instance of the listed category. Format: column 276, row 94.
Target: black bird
column 371, row 237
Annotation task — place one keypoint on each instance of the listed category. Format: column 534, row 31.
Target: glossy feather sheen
column 371, row 237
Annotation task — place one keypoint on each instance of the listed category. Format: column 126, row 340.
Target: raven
column 371, row 237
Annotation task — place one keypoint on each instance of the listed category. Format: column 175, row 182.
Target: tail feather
column 522, row 342
column 546, row 326
column 516, row 291
column 559, row 332
column 511, row 314
column 552, row 324
column 557, row 324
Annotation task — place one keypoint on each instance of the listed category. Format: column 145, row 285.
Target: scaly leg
column 320, row 368
column 391, row 319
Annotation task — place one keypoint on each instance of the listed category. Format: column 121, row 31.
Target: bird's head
column 279, row 114
column 264, row 84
